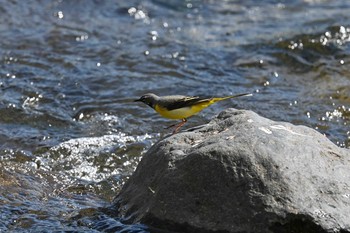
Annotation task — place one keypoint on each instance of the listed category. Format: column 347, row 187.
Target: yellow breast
column 180, row 113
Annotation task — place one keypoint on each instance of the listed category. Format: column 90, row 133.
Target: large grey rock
column 241, row 173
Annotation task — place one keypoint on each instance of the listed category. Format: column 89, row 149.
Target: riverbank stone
column 241, row 173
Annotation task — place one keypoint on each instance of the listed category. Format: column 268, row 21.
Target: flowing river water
column 70, row 133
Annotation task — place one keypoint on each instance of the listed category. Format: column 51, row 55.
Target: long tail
column 216, row 99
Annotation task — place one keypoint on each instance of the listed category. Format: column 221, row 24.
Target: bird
column 180, row 106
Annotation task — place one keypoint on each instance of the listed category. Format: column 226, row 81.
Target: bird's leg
column 173, row 125
column 179, row 125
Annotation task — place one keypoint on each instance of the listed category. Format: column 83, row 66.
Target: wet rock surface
column 241, row 173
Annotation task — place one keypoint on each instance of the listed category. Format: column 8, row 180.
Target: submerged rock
column 241, row 173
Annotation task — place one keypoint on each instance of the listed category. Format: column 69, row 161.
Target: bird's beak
column 138, row 100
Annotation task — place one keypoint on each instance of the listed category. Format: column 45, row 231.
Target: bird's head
column 150, row 99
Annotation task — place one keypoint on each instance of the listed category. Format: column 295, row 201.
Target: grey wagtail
column 179, row 106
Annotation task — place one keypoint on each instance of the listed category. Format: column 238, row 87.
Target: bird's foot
column 179, row 125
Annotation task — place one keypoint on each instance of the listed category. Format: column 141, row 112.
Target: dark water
column 69, row 133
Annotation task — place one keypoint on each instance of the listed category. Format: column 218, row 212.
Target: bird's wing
column 183, row 102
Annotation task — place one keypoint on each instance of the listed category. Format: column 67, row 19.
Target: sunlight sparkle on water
column 59, row 14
